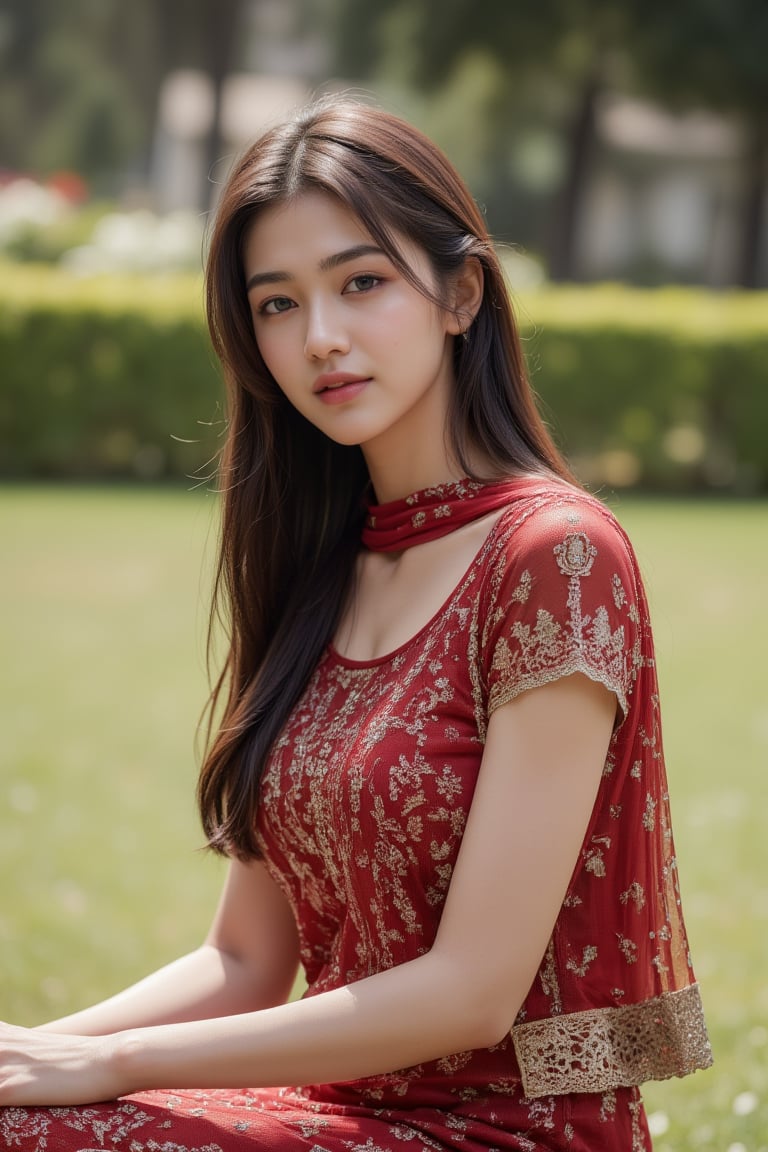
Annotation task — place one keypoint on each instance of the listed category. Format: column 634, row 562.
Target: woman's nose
column 326, row 333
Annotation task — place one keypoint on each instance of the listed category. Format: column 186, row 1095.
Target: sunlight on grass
column 705, row 564
column 104, row 602
column 103, row 681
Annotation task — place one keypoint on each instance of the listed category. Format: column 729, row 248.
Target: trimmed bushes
column 667, row 389
column 114, row 377
column 105, row 377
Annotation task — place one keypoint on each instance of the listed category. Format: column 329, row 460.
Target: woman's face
column 353, row 345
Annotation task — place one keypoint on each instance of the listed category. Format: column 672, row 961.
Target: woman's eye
column 362, row 283
column 275, row 305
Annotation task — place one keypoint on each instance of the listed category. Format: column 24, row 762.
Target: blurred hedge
column 104, row 376
column 115, row 377
column 665, row 388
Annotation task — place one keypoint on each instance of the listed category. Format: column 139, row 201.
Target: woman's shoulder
column 562, row 594
column 555, row 520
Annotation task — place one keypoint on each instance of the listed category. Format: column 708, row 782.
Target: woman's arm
column 541, row 769
column 248, row 962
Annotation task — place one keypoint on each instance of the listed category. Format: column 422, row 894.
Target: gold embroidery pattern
column 605, row 1048
column 367, row 828
column 549, row 980
column 576, row 554
column 463, row 489
column 125, row 1126
column 529, row 657
column 408, row 810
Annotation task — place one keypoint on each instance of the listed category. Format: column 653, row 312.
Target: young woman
column 437, row 769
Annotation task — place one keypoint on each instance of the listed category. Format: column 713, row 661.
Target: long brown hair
column 293, row 500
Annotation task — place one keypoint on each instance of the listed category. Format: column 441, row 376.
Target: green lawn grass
column 102, row 629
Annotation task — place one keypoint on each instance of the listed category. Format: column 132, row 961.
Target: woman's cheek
column 270, row 351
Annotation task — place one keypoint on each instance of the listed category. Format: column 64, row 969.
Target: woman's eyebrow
column 325, row 265
column 350, row 254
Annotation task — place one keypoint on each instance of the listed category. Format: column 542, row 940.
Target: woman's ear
column 465, row 296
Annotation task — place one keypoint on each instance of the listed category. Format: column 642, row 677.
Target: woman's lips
column 338, row 387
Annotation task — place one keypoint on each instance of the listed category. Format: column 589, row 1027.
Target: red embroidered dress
column 363, row 806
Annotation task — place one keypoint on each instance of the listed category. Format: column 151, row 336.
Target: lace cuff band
column 606, row 1048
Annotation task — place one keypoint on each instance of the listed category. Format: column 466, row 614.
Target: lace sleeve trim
column 505, row 691
column 606, row 1048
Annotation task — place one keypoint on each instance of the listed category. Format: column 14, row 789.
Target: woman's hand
column 43, row 1068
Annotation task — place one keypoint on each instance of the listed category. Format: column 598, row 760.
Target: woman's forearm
column 418, row 1011
column 205, row 983
column 404, row 1016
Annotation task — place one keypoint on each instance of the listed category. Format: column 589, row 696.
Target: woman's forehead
column 312, row 229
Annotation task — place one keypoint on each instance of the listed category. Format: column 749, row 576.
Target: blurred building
column 250, row 104
column 664, row 197
column 284, row 51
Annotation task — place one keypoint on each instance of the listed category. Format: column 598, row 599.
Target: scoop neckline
column 348, row 662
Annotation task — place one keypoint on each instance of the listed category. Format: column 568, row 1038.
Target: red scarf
column 434, row 512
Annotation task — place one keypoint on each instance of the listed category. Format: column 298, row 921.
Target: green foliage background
column 114, row 377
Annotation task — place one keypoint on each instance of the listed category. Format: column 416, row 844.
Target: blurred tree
column 703, row 53
column 202, row 34
column 564, row 50
column 715, row 53
column 79, row 82
column 73, row 86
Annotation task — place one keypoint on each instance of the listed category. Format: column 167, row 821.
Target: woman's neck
column 395, row 474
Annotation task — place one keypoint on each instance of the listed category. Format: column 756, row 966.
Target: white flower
column 23, row 202
column 744, row 1103
column 139, row 242
column 658, row 1123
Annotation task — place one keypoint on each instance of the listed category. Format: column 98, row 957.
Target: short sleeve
column 564, row 597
